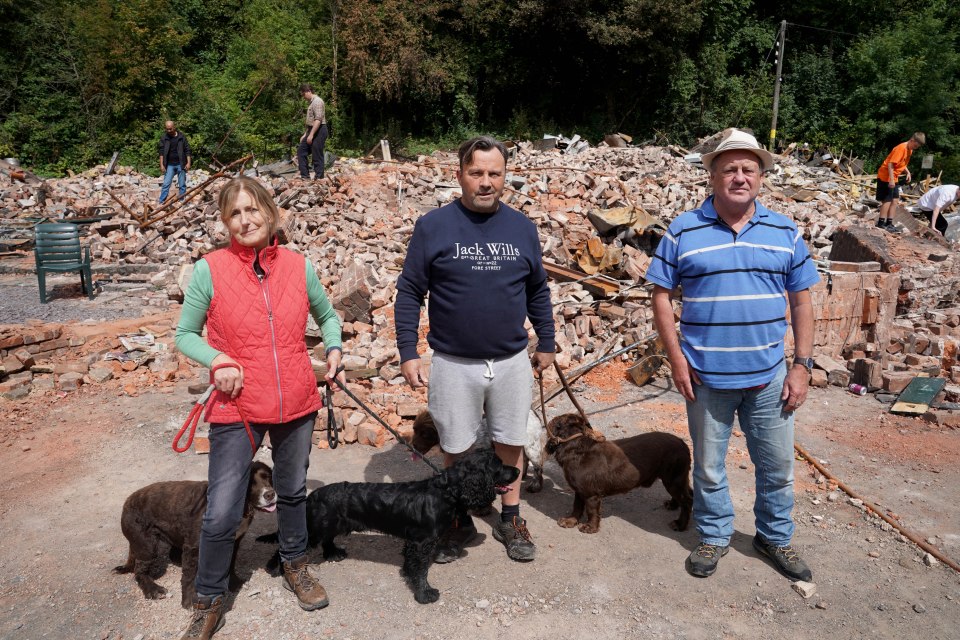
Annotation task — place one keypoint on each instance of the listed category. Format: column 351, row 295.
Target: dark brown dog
column 425, row 437
column 595, row 468
column 166, row 516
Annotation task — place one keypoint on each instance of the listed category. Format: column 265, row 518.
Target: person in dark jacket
column 481, row 262
column 175, row 159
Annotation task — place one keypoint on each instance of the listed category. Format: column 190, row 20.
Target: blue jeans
column 229, row 474
column 173, row 170
column 768, row 430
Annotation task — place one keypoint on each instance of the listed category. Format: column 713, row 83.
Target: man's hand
column 684, row 377
column 186, row 167
column 163, row 169
column 892, row 184
column 909, row 179
column 795, row 387
column 542, row 361
column 228, row 380
column 413, row 373
column 309, row 139
column 303, row 137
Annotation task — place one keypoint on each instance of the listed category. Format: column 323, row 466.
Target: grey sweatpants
column 464, row 390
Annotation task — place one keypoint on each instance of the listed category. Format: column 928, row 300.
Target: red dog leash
column 194, row 418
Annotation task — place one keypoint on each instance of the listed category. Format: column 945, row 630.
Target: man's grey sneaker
column 206, row 620
column 702, row 562
column 516, row 538
column 785, row 559
column 455, row 539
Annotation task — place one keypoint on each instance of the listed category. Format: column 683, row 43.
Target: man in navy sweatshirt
column 481, row 262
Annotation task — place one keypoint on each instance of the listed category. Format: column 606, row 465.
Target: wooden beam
column 596, row 284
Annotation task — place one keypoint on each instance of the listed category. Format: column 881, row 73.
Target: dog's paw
column 567, row 523
column 427, row 596
column 536, row 483
column 482, row 512
column 335, row 554
column 676, row 525
column 586, row 527
column 156, row 592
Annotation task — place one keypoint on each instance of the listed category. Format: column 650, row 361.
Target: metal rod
column 913, row 537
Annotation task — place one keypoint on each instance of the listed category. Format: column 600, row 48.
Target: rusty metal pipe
column 910, row 535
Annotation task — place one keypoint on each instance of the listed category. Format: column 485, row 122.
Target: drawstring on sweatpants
column 489, row 372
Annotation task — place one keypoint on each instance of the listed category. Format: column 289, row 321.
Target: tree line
column 80, row 79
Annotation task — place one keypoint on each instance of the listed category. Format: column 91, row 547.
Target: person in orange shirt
column 888, row 193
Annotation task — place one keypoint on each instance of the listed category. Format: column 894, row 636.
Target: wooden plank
column 854, row 267
column 596, row 285
column 918, row 395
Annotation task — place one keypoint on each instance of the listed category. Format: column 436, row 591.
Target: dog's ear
column 423, row 421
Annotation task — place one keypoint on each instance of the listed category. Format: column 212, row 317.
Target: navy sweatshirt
column 485, row 276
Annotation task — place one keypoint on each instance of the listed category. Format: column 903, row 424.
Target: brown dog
column 166, row 516
column 595, row 468
column 426, row 437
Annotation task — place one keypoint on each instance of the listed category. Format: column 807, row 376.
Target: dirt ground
column 68, row 461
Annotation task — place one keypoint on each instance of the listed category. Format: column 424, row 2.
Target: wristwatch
column 807, row 362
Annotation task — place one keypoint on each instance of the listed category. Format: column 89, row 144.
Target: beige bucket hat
column 738, row 139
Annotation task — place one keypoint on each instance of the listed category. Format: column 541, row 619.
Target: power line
column 805, row 26
column 760, row 75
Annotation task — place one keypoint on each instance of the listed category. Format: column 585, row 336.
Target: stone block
column 371, row 434
column 895, row 382
column 71, row 367
column 100, row 374
column 839, row 378
column 11, row 341
column 352, row 293
column 12, row 364
column 70, row 381
column 353, row 362
column 410, row 409
column 818, row 378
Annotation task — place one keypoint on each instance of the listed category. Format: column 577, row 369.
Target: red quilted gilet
column 261, row 325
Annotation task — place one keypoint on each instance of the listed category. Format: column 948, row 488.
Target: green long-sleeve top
column 196, row 302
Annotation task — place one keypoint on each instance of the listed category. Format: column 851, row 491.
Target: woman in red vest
column 254, row 297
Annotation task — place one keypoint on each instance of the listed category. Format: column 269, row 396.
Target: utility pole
column 781, row 41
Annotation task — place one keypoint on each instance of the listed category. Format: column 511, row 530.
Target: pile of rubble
column 887, row 308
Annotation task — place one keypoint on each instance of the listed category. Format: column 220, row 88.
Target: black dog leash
column 370, row 411
column 332, row 431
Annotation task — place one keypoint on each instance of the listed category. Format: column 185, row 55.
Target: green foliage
column 82, row 78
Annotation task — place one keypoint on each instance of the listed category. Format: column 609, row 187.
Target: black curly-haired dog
column 595, row 467
column 419, row 512
column 166, row 516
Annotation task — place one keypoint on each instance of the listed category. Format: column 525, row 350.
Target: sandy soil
column 67, row 462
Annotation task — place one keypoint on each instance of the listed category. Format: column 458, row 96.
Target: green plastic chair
column 57, row 249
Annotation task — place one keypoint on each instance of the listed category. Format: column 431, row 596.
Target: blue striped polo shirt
column 733, row 318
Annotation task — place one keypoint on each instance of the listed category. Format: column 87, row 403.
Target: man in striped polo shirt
column 738, row 265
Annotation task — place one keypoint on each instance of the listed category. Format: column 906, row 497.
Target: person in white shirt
column 935, row 201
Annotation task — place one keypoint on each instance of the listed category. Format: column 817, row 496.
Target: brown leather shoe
column 310, row 593
column 207, row 618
